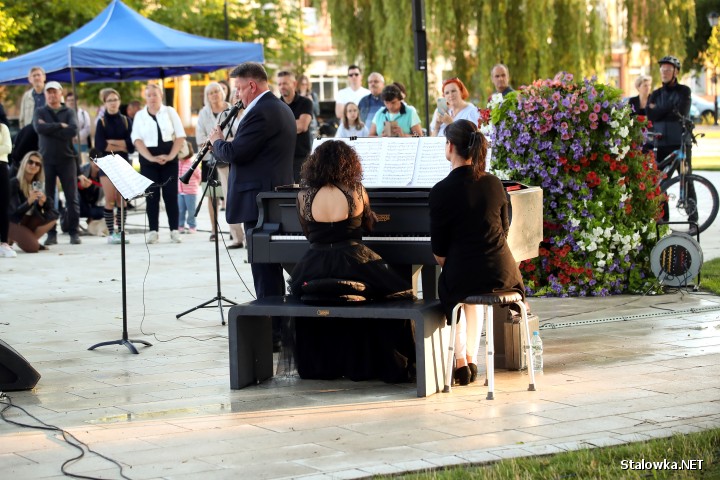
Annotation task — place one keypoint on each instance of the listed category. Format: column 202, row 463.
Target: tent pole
column 77, row 116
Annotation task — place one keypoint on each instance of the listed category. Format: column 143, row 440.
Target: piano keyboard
column 279, row 238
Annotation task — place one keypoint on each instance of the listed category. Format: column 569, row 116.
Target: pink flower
column 583, row 106
column 605, row 117
column 593, row 117
column 596, row 108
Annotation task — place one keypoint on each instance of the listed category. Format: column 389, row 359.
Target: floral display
column 579, row 142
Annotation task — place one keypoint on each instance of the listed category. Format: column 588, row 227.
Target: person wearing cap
column 667, row 107
column 56, row 126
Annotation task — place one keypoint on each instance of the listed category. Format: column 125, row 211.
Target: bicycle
column 692, row 200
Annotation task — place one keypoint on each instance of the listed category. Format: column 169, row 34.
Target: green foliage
column 663, row 26
column 535, row 39
column 600, row 463
column 698, row 43
column 710, row 276
column 377, row 35
column 10, row 28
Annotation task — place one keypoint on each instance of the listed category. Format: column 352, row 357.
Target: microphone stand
column 212, row 181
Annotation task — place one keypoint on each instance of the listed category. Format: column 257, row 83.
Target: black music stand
column 219, row 298
column 124, row 340
column 130, row 185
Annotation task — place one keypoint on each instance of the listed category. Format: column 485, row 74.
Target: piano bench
column 250, row 335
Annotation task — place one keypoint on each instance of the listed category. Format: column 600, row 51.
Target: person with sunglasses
column 354, row 92
column 31, row 212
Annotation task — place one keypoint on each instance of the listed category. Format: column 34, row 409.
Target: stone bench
column 250, row 335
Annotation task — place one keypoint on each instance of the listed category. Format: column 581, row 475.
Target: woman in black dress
column 334, row 208
column 468, row 228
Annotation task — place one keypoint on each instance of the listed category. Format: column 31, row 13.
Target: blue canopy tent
column 121, row 45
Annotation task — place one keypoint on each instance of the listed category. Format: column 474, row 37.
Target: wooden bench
column 250, row 332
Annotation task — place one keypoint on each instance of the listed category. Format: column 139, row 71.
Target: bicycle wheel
column 701, row 207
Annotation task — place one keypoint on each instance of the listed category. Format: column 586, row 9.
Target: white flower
column 487, row 130
column 495, row 100
column 623, row 132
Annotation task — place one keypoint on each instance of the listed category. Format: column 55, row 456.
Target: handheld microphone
column 231, row 114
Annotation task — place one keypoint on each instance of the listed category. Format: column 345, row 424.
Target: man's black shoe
column 75, row 239
column 51, row 239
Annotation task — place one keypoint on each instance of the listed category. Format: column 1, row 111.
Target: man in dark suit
column 260, row 158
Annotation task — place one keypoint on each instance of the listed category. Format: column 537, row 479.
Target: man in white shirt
column 354, row 92
column 83, row 119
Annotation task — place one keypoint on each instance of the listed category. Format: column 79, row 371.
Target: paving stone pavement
column 617, row 370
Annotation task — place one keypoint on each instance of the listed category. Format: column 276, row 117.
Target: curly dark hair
column 332, row 162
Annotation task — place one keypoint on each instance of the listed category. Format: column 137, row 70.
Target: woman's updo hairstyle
column 469, row 143
column 333, row 162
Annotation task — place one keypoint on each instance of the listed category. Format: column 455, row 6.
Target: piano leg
column 430, row 274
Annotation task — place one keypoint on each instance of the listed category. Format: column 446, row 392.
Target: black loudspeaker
column 420, row 51
column 15, row 372
column 418, row 15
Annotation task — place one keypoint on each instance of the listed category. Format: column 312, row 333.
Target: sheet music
column 127, row 181
column 399, row 162
column 431, row 165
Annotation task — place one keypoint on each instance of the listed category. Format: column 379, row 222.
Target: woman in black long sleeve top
column 468, row 230
column 112, row 135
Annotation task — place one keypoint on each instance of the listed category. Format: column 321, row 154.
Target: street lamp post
column 713, row 18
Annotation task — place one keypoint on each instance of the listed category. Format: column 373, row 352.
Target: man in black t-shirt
column 302, row 109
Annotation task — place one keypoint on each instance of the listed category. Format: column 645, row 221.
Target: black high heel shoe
column 473, row 372
column 462, row 375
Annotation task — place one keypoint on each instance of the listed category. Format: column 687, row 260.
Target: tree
column 698, row 43
column 376, row 34
column 534, row 39
column 662, row 26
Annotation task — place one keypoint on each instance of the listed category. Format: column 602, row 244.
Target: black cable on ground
column 69, row 438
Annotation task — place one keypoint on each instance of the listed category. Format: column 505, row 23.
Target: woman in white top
column 215, row 111
column 455, row 94
column 158, row 136
column 351, row 125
